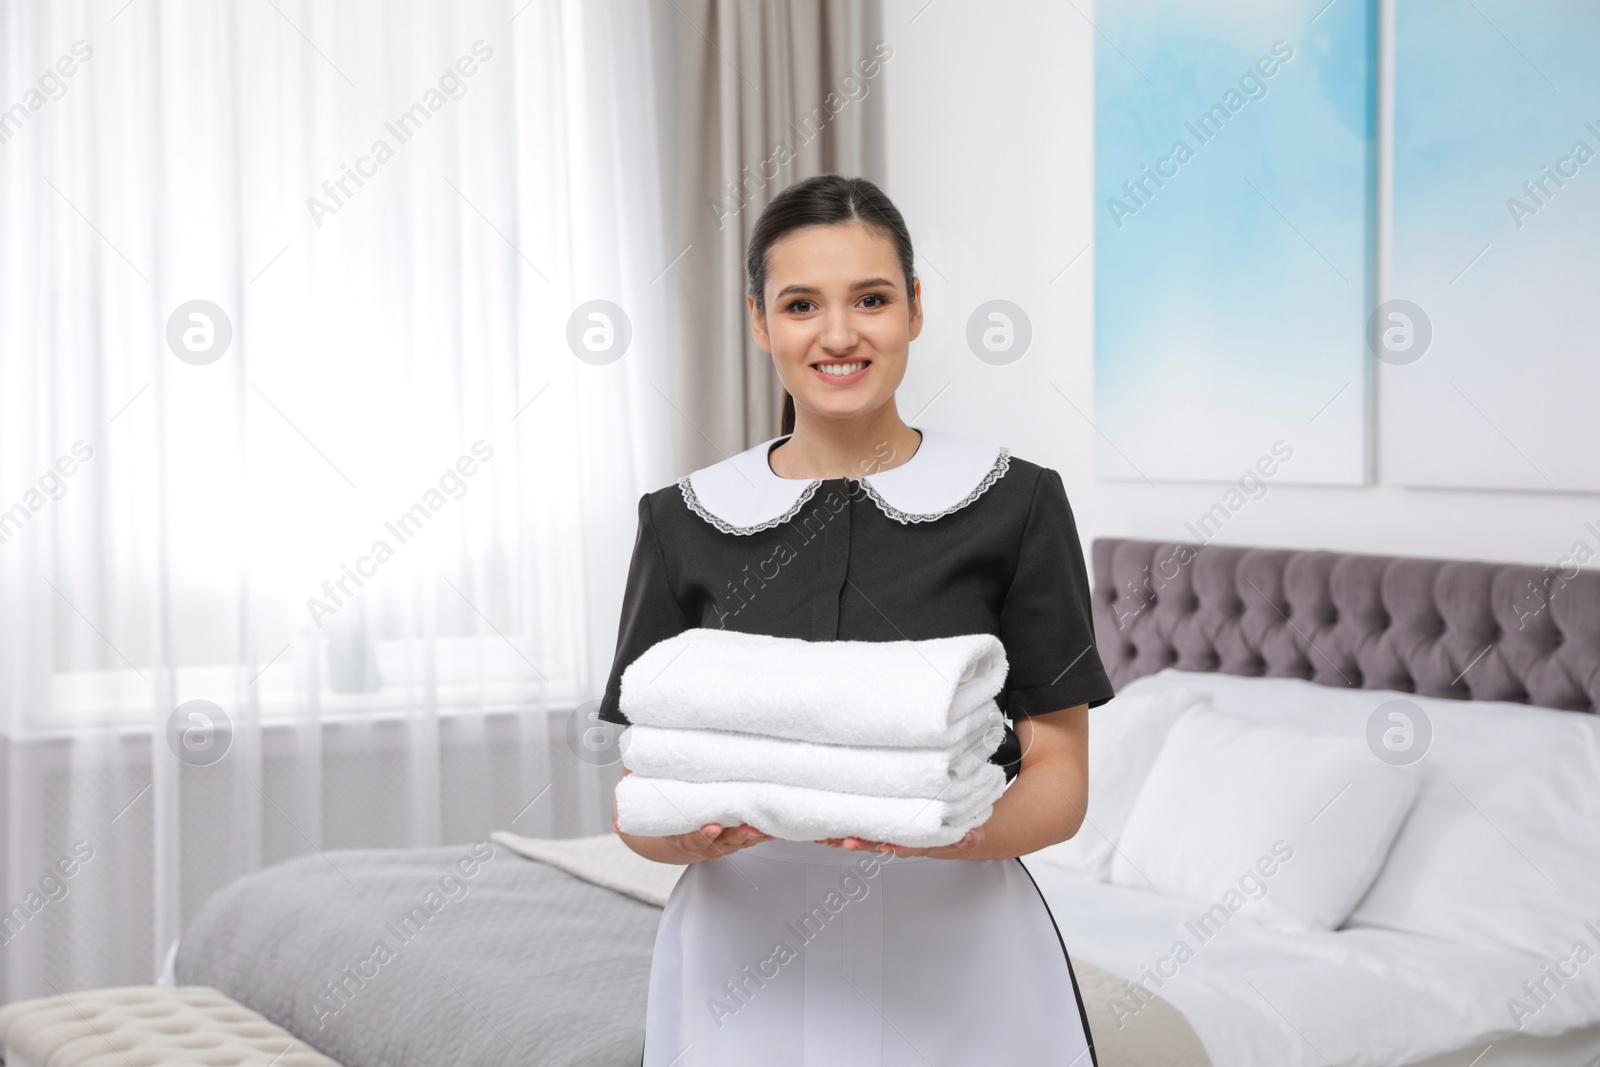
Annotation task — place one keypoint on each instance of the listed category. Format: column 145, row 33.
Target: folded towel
column 876, row 770
column 661, row 806
column 903, row 693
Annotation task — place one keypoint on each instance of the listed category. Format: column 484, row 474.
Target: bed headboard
column 1445, row 628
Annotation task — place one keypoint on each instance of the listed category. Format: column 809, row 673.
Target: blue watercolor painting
column 1496, row 239
column 1234, row 238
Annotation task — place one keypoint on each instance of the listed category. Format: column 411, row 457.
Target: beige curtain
column 761, row 95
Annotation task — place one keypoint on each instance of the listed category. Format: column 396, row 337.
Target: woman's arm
column 707, row 843
column 1047, row 801
column 1044, row 805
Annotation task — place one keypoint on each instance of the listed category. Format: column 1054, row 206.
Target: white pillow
column 1285, row 826
column 1500, row 849
column 1503, row 847
column 1125, row 734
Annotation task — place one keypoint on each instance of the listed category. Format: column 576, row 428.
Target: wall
column 989, row 156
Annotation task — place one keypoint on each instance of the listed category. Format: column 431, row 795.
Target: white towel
column 662, row 806
column 876, row 770
column 907, row 693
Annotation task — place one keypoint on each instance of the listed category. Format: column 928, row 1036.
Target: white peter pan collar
column 743, row 494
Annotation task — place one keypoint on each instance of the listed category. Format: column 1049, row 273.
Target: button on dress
column 795, row 954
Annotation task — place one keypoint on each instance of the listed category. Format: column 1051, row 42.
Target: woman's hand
column 963, row 849
column 707, row 843
column 1044, row 804
column 713, row 840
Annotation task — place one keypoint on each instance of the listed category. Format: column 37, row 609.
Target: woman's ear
column 916, row 308
column 758, row 325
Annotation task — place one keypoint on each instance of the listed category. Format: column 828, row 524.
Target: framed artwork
column 1489, row 343
column 1234, row 239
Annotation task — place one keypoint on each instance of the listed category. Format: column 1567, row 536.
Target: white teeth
column 838, row 369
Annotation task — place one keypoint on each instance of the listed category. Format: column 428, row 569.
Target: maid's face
column 838, row 322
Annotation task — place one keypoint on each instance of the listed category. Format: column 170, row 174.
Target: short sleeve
column 650, row 611
column 1046, row 623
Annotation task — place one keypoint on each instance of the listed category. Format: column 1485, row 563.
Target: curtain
column 762, row 95
column 330, row 342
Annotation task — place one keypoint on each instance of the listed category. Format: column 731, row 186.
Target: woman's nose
column 838, row 333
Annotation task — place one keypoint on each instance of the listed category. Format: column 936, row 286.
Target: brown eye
column 796, row 306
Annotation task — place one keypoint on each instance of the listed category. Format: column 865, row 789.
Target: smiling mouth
column 844, row 368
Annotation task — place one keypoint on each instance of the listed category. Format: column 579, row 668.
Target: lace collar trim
column 743, row 494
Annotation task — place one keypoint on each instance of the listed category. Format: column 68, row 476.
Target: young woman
column 852, row 525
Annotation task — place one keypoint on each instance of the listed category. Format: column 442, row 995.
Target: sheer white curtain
column 313, row 523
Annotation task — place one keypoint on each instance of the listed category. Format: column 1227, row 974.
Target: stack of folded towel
column 884, row 740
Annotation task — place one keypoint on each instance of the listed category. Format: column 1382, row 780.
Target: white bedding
column 1260, row 998
column 1356, row 997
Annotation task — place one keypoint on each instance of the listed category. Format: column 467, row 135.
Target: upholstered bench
column 147, row 1026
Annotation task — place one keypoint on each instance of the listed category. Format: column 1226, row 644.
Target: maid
column 853, row 525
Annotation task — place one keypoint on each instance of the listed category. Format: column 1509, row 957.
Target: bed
column 480, row 954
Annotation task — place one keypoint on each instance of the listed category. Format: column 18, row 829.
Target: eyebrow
column 807, row 290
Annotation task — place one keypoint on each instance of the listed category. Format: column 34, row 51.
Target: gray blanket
column 397, row 957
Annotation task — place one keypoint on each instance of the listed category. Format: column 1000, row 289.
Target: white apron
column 795, row 954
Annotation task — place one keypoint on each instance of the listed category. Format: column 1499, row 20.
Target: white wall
column 989, row 156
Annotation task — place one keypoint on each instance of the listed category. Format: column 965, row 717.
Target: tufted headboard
column 1445, row 628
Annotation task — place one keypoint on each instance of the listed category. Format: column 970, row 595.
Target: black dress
column 792, row 952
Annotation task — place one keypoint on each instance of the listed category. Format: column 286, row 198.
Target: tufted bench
column 147, row 1026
